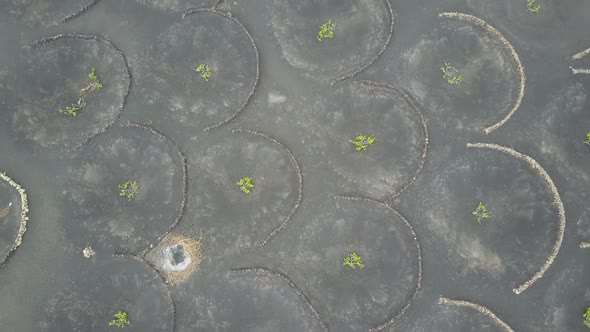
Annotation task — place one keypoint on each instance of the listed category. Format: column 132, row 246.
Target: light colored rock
column 88, row 252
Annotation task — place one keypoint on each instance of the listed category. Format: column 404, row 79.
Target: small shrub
column 244, row 184
column 533, row 6
column 587, row 141
column 586, row 316
column 353, row 260
column 81, row 103
column 128, row 189
column 204, row 70
column 121, row 320
column 326, row 30
column 481, row 212
column 362, row 142
column 95, row 79
column 451, row 74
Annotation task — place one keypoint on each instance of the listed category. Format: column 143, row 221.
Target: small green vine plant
column 245, row 184
column 128, row 189
column 587, row 141
column 481, row 212
column 533, row 6
column 81, row 103
column 326, row 30
column 451, row 74
column 204, row 70
column 353, row 260
column 586, row 316
column 362, row 142
column 121, row 320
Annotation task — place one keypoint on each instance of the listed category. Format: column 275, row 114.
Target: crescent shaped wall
column 519, row 68
column 23, row 217
column 556, row 200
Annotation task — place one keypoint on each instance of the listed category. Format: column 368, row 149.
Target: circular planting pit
column 215, row 93
column 481, row 84
column 55, row 75
column 386, row 165
column 359, row 298
column 246, row 302
column 46, row 12
column 361, row 29
column 102, row 288
column 231, row 219
column 123, row 190
column 507, row 247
